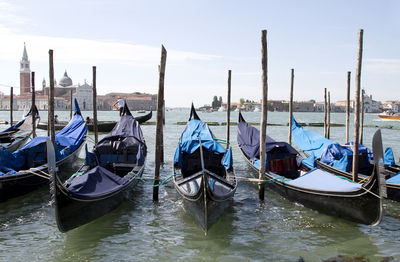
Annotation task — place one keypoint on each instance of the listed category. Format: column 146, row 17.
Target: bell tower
column 25, row 74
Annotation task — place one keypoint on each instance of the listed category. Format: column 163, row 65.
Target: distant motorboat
column 141, row 111
column 390, row 115
column 256, row 109
column 221, row 109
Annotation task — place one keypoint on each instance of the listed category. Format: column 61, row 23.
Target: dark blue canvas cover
column 67, row 141
column 249, row 141
column 97, row 181
column 189, row 142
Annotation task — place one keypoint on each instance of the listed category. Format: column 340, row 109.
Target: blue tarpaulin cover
column 321, row 180
column 309, row 141
column 95, row 182
column 189, row 142
column 249, row 141
column 389, row 158
column 395, row 179
column 67, row 141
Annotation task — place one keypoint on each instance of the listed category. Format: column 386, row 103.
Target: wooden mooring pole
column 51, row 98
column 328, row 133
column 11, row 104
column 291, row 106
column 96, row 133
column 357, row 106
column 72, row 106
column 264, row 112
column 325, row 113
column 228, row 109
column 362, row 116
column 348, row 106
column 159, row 125
column 33, row 105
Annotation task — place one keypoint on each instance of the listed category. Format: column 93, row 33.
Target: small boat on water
column 108, row 176
column 204, row 175
column 329, row 155
column 26, row 169
column 390, row 116
column 102, row 126
column 314, row 188
column 17, row 135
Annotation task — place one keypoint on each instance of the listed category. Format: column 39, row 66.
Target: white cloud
column 84, row 51
column 383, row 66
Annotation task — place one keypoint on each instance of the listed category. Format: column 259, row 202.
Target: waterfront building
column 25, row 74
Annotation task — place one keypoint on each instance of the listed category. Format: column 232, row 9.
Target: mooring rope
column 163, row 182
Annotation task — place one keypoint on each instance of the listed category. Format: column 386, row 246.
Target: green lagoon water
column 140, row 230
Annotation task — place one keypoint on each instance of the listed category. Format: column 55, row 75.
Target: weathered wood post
column 325, row 114
column 348, row 106
column 264, row 110
column 291, row 106
column 328, row 133
column 159, row 125
column 362, row 116
column 72, row 106
column 357, row 106
column 33, row 105
column 11, row 104
column 228, row 109
column 51, row 98
column 96, row 134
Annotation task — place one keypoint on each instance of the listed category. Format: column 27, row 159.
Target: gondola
column 108, row 176
column 335, row 158
column 203, row 173
column 102, row 126
column 26, row 169
column 17, row 135
column 314, row 188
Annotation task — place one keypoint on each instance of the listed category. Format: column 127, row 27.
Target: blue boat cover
column 189, row 142
column 249, row 141
column 67, row 141
column 389, row 158
column 394, row 179
column 309, row 141
column 95, row 182
column 318, row 179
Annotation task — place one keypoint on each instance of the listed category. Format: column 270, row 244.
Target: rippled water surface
column 140, row 230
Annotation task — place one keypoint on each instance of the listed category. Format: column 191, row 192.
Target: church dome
column 65, row 80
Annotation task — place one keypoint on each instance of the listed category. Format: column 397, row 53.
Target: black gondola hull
column 72, row 212
column 25, row 181
column 361, row 206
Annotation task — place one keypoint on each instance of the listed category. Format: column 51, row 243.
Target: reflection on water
column 140, row 230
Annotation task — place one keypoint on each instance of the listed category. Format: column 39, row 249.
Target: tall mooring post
column 96, row 133
column 71, row 106
column 228, row 109
column 159, row 125
column 264, row 112
column 325, row 114
column 33, row 105
column 11, row 105
column 291, row 106
column 357, row 106
column 51, row 98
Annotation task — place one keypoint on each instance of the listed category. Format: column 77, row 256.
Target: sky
column 205, row 39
